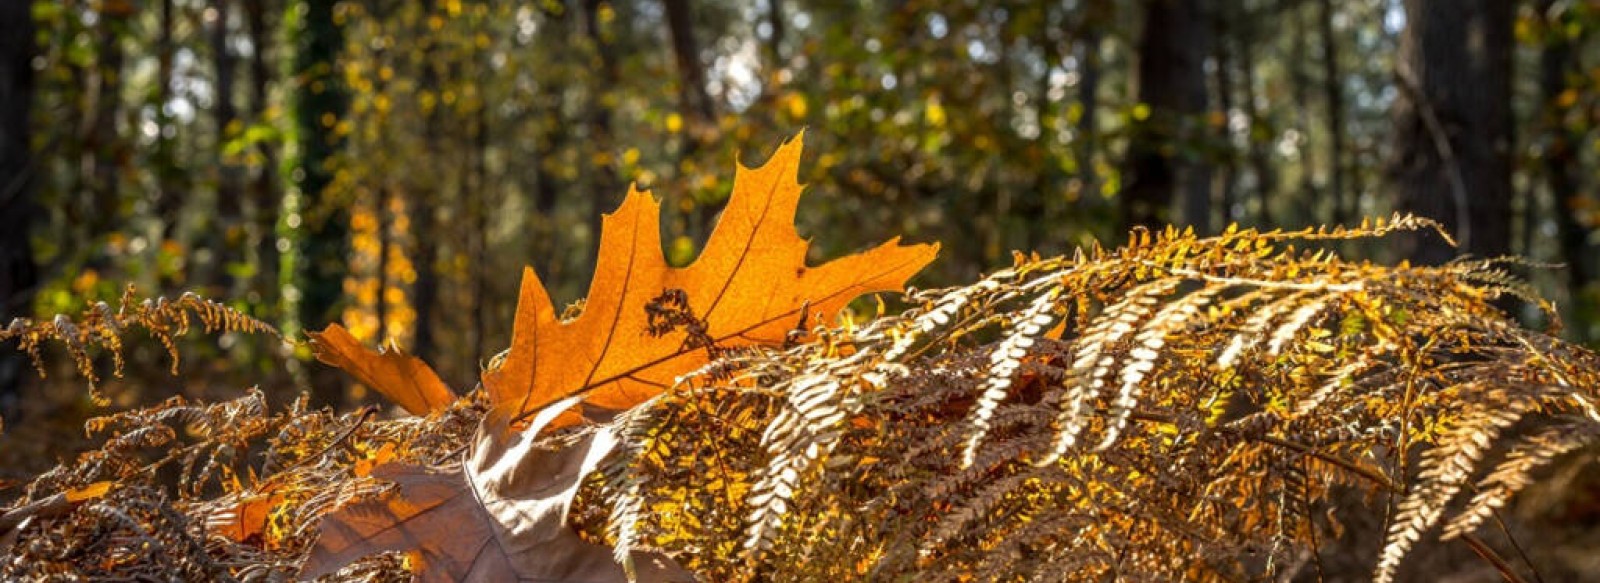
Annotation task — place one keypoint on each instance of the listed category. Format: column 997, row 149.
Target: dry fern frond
column 1513, row 473
column 100, row 326
column 1232, row 385
column 220, row 491
column 1242, row 395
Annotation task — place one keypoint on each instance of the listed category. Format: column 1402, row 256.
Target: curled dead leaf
column 403, row 378
column 248, row 519
column 498, row 516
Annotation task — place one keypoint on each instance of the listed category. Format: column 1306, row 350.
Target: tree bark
column 103, row 144
column 480, row 239
column 1096, row 14
column 324, row 242
column 19, row 275
column 1222, row 30
column 694, row 103
column 229, row 217
column 692, row 96
column 605, row 185
column 1560, row 157
column 169, row 202
column 780, row 30
column 424, row 214
column 1333, row 97
column 1301, row 207
column 1261, row 127
column 1171, row 82
column 1453, row 125
column 264, row 194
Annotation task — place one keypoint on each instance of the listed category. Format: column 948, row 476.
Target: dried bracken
column 1181, row 408
column 1174, row 409
column 219, row 492
column 100, row 326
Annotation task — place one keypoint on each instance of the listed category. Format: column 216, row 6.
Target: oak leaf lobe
column 749, row 286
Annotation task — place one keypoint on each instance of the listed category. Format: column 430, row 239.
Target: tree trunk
column 779, row 30
column 547, row 182
column 103, row 145
column 482, row 206
column 1261, row 127
column 605, row 185
column 1222, row 30
column 19, row 276
column 1171, row 82
column 264, row 194
column 424, row 214
column 692, row 97
column 1303, row 201
column 1333, row 96
column 1042, row 203
column 169, row 201
column 324, row 242
column 1096, row 13
column 550, row 137
column 225, row 247
column 694, row 103
column 1453, row 125
column 1560, row 157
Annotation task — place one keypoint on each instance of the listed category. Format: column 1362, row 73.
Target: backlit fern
column 1172, row 409
column 1182, row 408
column 100, row 326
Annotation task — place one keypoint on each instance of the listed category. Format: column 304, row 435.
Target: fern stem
column 1494, row 559
column 1482, row 549
column 1300, row 448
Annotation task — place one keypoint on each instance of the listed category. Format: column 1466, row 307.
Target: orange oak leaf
column 750, row 286
column 403, row 378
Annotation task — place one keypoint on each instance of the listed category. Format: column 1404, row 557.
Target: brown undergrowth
column 1177, row 408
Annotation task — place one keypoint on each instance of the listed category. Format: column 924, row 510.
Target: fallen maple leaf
column 403, row 378
column 750, row 286
column 500, row 516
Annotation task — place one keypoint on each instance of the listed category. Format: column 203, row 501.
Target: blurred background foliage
column 392, row 164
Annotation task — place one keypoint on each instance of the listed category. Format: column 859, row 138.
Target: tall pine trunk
column 1560, row 156
column 1343, row 200
column 1266, row 176
column 422, row 206
column 1453, row 125
column 265, row 197
column 1171, row 85
column 168, row 196
column 1090, row 62
column 103, row 143
column 605, row 185
column 694, row 103
column 19, row 275
column 324, row 243
column 226, row 240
